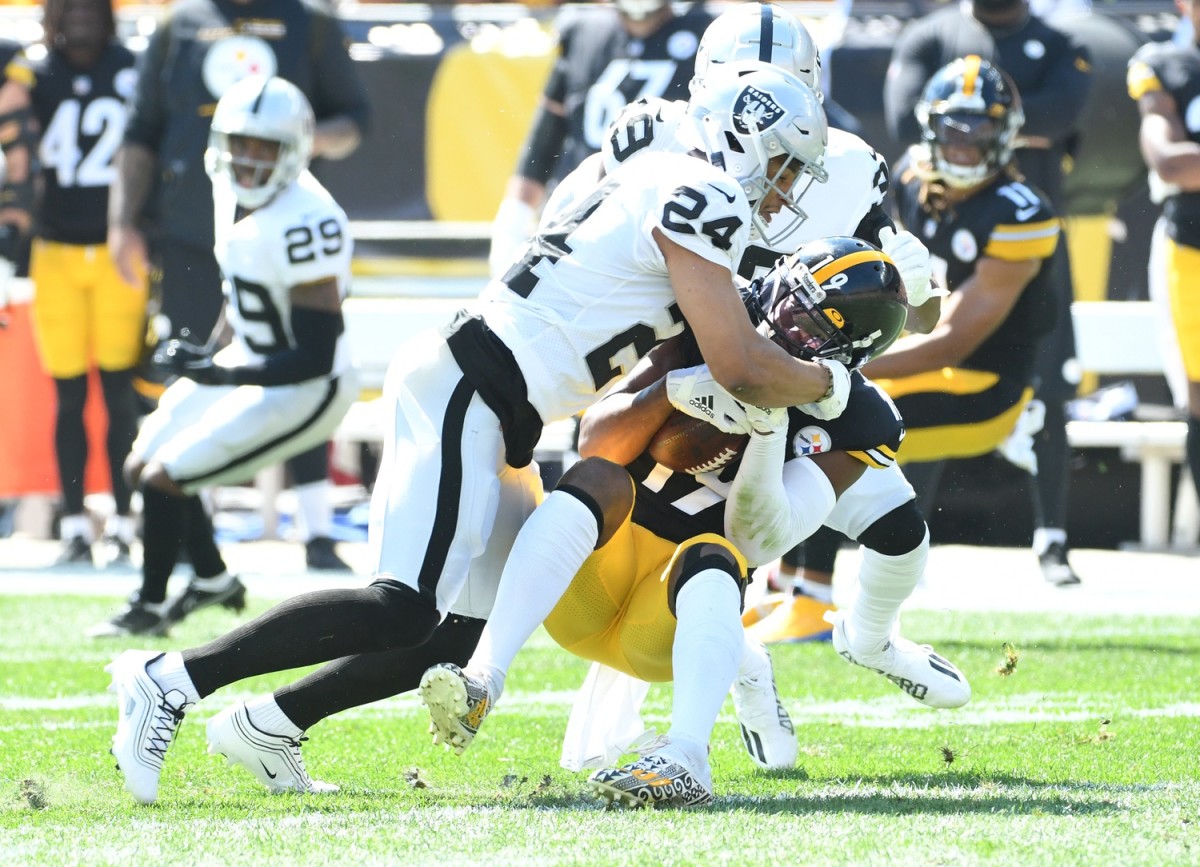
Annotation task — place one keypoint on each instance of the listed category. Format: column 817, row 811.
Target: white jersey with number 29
column 301, row 236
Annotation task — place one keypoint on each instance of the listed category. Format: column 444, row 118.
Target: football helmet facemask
column 745, row 121
column 270, row 110
column 758, row 33
column 969, row 103
column 839, row 298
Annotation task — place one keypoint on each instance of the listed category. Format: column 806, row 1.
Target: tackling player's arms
column 746, row 364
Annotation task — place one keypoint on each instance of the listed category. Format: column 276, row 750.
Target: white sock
column 314, row 515
column 551, row 547
column 755, row 661
column 169, row 672
column 264, row 712
column 818, row 591
column 121, row 527
column 215, row 584
column 884, row 583
column 709, row 641
column 1043, row 538
column 75, row 525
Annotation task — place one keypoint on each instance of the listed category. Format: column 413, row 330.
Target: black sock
column 70, row 441
column 163, row 526
column 200, row 539
column 311, row 628
column 121, row 402
column 358, row 680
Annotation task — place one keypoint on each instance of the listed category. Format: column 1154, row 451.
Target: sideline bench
column 1122, row 338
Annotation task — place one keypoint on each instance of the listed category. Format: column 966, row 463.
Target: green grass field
column 1086, row 752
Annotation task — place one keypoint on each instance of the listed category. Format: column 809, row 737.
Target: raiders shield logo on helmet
column 755, row 109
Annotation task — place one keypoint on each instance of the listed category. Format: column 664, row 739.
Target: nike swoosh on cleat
column 267, row 770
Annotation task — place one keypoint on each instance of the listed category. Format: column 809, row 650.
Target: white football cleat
column 767, row 730
column 147, row 719
column 274, row 759
column 663, row 778
column 915, row 669
column 457, row 705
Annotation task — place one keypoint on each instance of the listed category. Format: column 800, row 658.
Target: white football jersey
column 591, row 295
column 858, row 177
column 301, row 236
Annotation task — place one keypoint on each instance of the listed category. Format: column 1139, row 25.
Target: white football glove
column 912, row 260
column 694, row 392
column 515, row 224
column 833, row 404
column 766, row 420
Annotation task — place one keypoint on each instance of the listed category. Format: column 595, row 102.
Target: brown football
column 690, row 445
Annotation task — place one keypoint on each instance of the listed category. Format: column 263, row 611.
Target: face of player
column 82, row 28
column 252, row 159
column 783, row 174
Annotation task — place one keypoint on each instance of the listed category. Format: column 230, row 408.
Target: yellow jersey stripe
column 869, row 459
column 1020, row 251
column 1025, row 231
column 1140, row 80
column 20, row 73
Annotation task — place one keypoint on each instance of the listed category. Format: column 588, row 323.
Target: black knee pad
column 409, row 617
column 898, row 532
column 700, row 558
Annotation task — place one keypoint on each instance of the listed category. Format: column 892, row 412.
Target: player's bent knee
column 404, row 617
column 898, row 532
column 704, row 557
column 604, row 487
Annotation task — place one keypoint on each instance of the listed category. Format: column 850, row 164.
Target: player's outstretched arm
column 746, row 364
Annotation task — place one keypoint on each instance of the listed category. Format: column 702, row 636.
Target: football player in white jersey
column 880, row 508
column 613, row 274
column 285, row 380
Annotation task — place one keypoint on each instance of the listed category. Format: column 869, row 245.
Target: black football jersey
column 677, row 506
column 1175, row 70
column 601, row 69
column 1007, row 220
column 82, row 120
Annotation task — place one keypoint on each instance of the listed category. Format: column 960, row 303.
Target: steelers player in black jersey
column 69, row 93
column 609, row 56
column 1164, row 78
column 962, row 387
column 1052, row 72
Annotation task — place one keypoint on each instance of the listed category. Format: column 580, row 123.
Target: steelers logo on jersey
column 964, row 246
column 682, row 46
column 125, row 83
column 811, row 440
column 233, row 58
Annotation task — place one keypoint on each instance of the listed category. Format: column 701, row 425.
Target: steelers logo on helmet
column 840, row 298
column 970, row 114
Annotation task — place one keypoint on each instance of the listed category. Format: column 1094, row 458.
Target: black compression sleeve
column 543, row 147
column 316, row 333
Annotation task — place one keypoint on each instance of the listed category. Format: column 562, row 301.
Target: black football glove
column 186, row 359
column 10, row 242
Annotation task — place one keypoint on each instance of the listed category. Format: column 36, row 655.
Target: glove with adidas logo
column 694, row 392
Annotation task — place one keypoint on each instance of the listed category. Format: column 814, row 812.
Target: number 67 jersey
column 300, row 237
column 591, row 294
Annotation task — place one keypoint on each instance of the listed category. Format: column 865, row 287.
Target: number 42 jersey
column 300, row 237
column 591, row 294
